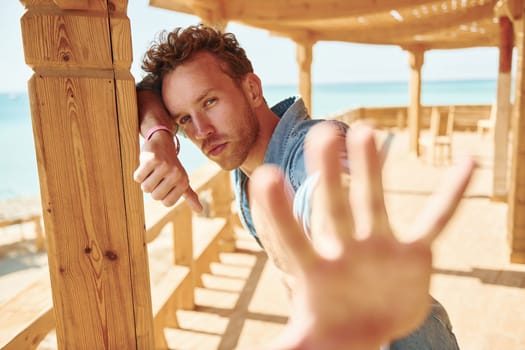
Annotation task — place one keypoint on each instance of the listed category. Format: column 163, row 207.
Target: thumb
column 192, row 199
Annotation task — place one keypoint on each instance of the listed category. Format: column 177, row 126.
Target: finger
column 141, row 173
column 170, row 198
column 145, row 167
column 366, row 187
column 315, row 137
column 443, row 203
column 152, row 182
column 192, row 198
column 385, row 147
column 331, row 215
column 268, row 194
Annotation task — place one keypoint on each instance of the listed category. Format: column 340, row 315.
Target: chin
column 227, row 164
column 227, row 167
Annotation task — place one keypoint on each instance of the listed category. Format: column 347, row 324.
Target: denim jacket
column 285, row 150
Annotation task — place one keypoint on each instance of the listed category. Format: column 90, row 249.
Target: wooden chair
column 487, row 125
column 438, row 142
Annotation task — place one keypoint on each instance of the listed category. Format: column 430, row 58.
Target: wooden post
column 182, row 228
column 221, row 206
column 416, row 58
column 304, row 60
column 84, row 116
column 516, row 210
column 503, row 105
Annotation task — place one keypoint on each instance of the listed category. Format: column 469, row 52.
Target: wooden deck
column 241, row 301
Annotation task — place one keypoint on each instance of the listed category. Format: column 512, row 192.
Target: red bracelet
column 154, row 129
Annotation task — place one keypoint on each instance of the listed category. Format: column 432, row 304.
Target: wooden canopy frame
column 84, row 115
column 416, row 26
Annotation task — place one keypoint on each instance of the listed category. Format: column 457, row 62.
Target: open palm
column 355, row 285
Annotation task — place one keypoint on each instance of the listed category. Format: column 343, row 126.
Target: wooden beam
column 83, row 109
column 430, row 24
column 384, row 33
column 275, row 10
column 183, row 6
column 337, row 28
column 88, row 5
column 427, row 31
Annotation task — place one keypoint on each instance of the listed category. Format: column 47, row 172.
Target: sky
column 273, row 57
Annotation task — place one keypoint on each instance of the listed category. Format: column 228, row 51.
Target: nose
column 203, row 127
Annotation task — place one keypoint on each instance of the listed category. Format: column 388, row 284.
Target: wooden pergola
column 84, row 114
column 416, row 26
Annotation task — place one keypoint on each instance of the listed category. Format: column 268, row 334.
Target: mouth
column 215, row 150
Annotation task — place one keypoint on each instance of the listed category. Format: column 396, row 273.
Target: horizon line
column 394, row 81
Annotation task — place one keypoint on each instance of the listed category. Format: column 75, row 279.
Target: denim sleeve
column 302, row 204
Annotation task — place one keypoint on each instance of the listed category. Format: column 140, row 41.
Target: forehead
column 189, row 80
column 200, row 69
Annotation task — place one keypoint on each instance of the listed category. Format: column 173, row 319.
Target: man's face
column 212, row 110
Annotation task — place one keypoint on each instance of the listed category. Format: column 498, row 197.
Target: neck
column 267, row 123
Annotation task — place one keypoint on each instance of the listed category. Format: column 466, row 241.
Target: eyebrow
column 199, row 98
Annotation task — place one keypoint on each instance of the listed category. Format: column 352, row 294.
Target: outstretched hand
column 357, row 286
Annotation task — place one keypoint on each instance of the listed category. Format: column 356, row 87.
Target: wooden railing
column 36, row 220
column 466, row 119
column 28, row 316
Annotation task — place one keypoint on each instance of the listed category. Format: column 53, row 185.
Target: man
column 201, row 84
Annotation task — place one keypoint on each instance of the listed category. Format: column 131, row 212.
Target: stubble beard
column 246, row 138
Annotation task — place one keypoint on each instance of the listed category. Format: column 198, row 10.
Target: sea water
column 18, row 171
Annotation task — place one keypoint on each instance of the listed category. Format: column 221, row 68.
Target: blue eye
column 183, row 120
column 210, row 101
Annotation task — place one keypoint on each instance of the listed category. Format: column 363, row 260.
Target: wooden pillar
column 415, row 58
column 84, row 116
column 516, row 210
column 304, row 60
column 503, row 105
column 221, row 206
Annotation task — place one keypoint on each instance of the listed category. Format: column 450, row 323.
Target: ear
column 252, row 88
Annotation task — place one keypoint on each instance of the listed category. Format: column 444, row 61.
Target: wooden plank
column 165, row 298
column 430, row 24
column 351, row 29
column 81, row 4
column 27, row 317
column 18, row 221
column 290, row 9
column 127, row 122
column 77, row 43
column 82, row 175
column 206, row 244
